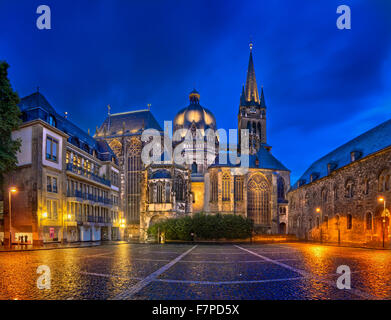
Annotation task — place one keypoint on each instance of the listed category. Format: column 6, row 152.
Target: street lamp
column 320, row 224
column 10, row 192
column 382, row 199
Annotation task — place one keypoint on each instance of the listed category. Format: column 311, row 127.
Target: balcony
column 89, row 197
column 88, row 174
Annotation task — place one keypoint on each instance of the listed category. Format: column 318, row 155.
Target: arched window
column 238, row 188
column 349, row 222
column 159, row 194
column 168, row 192
column 368, row 220
column 133, row 183
column 384, row 181
column 280, row 188
column 214, row 187
column 194, row 168
column 179, row 188
column 349, row 188
column 226, row 186
column 258, row 200
column 365, row 186
column 324, row 195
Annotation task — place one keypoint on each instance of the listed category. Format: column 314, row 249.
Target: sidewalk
column 57, row 245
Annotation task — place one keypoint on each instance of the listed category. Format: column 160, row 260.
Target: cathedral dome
column 195, row 114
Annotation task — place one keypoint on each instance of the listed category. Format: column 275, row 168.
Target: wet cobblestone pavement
column 184, row 271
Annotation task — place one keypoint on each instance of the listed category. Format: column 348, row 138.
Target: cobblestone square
column 185, row 271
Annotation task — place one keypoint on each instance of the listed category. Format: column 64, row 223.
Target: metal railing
column 90, row 175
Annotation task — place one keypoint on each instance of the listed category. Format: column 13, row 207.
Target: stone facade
column 343, row 207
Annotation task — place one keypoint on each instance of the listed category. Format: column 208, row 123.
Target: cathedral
column 164, row 189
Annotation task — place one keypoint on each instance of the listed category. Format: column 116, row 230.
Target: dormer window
column 52, row 121
column 331, row 167
column 355, row 155
column 300, row 182
column 314, row 176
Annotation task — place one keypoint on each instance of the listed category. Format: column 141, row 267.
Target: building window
column 159, row 193
column 179, row 188
column 258, row 200
column 365, row 186
column 214, row 185
column 349, row 222
column 168, row 192
column 317, row 222
column 349, row 189
column 369, row 221
column 335, row 193
column 280, row 188
column 384, row 181
column 51, row 206
column 226, row 186
column 238, row 188
column 51, row 149
column 51, row 184
column 52, row 121
column 324, row 196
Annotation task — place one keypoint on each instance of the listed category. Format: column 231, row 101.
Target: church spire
column 251, row 83
column 262, row 102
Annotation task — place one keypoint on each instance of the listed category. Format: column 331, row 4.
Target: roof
column 195, row 114
column 36, row 106
column 134, row 122
column 371, row 141
column 251, row 89
column 161, row 174
column 265, row 161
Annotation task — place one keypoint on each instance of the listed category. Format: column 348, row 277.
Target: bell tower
column 252, row 110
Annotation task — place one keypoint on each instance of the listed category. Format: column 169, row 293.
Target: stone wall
column 329, row 203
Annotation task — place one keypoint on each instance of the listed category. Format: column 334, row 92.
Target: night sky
column 323, row 86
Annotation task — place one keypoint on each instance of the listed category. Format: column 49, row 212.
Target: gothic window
column 349, row 222
column 226, row 186
column 384, row 181
column 324, row 195
column 168, row 192
column 179, row 188
column 349, row 188
column 133, row 185
column 366, row 186
column 238, row 188
column 258, row 200
column 194, row 168
column 368, row 220
column 214, row 187
column 159, row 194
column 280, row 188
column 307, row 199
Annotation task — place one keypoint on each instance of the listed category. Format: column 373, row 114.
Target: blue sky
column 323, row 86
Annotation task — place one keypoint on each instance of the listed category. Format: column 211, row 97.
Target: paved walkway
column 58, row 245
column 197, row 271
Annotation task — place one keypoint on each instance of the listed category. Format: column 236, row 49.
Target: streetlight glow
column 318, row 210
column 381, row 199
column 44, row 215
column 13, row 189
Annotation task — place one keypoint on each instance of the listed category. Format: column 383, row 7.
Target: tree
column 9, row 121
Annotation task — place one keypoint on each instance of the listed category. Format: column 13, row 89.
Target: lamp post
column 320, row 224
column 10, row 192
column 382, row 199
